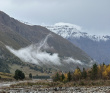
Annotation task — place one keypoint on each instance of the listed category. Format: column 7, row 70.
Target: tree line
column 95, row 73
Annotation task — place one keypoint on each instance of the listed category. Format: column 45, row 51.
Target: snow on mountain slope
column 97, row 47
column 67, row 30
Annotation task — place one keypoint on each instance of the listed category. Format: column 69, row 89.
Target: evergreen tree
column 103, row 63
column 19, row 75
column 94, row 72
column 30, row 76
column 84, row 74
column 69, row 76
column 57, row 77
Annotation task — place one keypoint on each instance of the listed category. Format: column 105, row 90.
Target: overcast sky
column 92, row 15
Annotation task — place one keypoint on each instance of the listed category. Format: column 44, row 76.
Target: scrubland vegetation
column 97, row 75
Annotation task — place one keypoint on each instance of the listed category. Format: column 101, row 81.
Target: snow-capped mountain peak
column 67, row 30
column 61, row 24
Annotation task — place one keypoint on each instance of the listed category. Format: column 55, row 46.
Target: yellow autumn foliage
column 105, row 75
column 66, row 77
column 77, row 74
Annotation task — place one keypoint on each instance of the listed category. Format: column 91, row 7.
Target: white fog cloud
column 36, row 54
column 29, row 54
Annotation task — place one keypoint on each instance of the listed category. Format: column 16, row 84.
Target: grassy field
column 6, row 76
column 27, row 70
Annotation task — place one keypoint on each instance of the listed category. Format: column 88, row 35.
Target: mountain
column 97, row 47
column 19, row 43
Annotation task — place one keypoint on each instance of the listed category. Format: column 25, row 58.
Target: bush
column 81, row 83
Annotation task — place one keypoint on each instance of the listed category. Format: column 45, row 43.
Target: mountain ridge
column 95, row 46
column 67, row 30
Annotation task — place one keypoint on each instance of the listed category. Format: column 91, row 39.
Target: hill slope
column 18, row 35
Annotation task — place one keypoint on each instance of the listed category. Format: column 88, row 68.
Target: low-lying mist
column 36, row 54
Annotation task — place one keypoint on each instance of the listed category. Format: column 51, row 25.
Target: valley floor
column 47, row 86
column 35, row 89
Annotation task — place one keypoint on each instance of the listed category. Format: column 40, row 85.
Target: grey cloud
column 93, row 15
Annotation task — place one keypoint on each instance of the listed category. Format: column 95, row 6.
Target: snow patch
column 68, row 25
